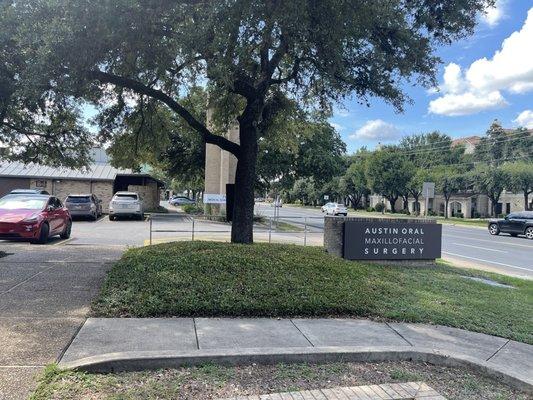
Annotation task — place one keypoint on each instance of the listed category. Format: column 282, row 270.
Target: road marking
column 478, row 247
column 63, row 241
column 487, row 261
column 490, row 241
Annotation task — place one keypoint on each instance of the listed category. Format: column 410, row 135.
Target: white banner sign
column 428, row 190
column 214, row 198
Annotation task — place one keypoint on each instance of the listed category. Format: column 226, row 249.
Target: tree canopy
column 124, row 54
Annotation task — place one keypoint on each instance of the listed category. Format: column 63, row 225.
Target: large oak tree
column 57, row 55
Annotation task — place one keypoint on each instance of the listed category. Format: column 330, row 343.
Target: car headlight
column 93, row 207
column 31, row 219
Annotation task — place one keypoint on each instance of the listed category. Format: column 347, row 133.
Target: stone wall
column 149, row 194
column 61, row 188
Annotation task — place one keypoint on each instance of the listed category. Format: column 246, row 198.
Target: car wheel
column 493, row 229
column 529, row 232
column 44, row 234
column 95, row 216
column 141, row 217
column 111, row 217
column 66, row 232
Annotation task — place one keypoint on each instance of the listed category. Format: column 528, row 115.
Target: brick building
column 100, row 178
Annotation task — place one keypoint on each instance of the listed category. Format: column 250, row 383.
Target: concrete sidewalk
column 113, row 344
column 45, row 295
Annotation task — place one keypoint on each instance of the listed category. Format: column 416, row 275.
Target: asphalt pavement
column 44, row 299
column 465, row 246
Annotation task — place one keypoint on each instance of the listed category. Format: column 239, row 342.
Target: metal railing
column 269, row 226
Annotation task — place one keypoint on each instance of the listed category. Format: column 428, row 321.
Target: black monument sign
column 382, row 240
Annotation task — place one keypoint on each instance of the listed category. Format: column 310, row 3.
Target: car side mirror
column 506, row 217
column 50, row 208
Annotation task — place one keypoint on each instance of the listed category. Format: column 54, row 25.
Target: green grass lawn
column 271, row 280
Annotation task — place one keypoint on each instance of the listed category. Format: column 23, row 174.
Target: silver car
column 336, row 209
column 84, row 205
column 126, row 204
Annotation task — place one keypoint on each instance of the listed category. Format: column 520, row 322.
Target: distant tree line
column 502, row 160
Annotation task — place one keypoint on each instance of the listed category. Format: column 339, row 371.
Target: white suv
column 126, row 204
column 336, row 209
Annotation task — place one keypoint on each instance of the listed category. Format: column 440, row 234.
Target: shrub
column 380, row 207
column 370, row 209
column 192, row 209
column 432, row 213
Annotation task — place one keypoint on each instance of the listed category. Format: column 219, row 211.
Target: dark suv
column 517, row 223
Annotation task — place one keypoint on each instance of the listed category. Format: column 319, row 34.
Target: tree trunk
column 446, row 202
column 392, row 201
column 242, row 226
column 493, row 204
column 416, row 205
column 405, row 202
column 526, row 200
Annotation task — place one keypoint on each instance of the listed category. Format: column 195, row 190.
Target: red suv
column 33, row 217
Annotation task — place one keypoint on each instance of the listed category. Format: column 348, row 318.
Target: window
column 21, row 202
column 55, row 203
column 126, row 196
column 78, row 199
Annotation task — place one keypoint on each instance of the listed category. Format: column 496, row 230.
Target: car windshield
column 24, row 203
column 78, row 199
column 126, row 196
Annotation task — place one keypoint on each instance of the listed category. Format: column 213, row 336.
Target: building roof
column 95, row 172
column 473, row 140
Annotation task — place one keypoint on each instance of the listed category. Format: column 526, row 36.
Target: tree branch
column 141, row 88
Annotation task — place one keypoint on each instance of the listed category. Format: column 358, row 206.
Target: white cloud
column 337, row 127
column 466, row 103
column 453, row 80
column 525, row 119
column 479, row 87
column 493, row 15
column 377, row 130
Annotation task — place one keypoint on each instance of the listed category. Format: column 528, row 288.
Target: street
column 470, row 247
column 464, row 246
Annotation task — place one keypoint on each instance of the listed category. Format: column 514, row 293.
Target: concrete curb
column 149, row 360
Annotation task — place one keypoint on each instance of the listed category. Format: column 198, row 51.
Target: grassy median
column 271, row 280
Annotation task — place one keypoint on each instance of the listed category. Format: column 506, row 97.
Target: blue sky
column 488, row 75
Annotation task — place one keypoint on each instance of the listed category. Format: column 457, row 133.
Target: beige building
column 220, row 166
column 466, row 205
column 100, row 179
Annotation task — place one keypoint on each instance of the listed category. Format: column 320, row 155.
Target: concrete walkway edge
column 143, row 360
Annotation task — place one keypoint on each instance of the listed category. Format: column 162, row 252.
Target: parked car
column 325, row 206
column 336, row 209
column 180, row 201
column 126, row 204
column 28, row 191
column 84, row 205
column 33, row 217
column 517, row 223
